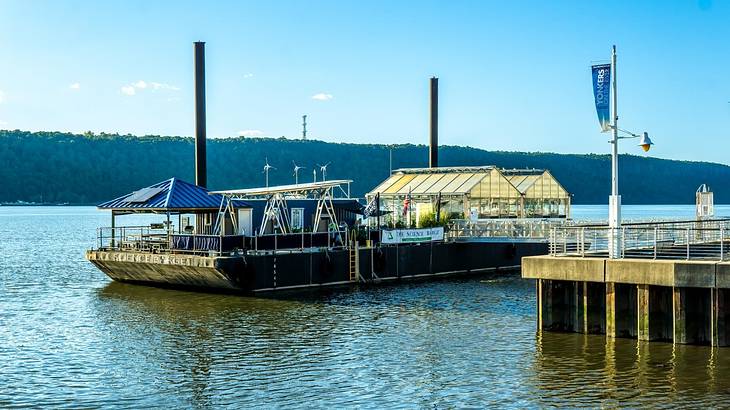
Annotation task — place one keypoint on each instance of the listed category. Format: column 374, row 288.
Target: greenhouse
column 471, row 193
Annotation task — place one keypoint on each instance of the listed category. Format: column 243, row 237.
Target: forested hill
column 87, row 169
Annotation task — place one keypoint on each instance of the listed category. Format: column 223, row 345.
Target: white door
column 245, row 222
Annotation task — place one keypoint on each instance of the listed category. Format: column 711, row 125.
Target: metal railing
column 134, row 238
column 299, row 241
column 148, row 239
column 688, row 240
column 503, row 228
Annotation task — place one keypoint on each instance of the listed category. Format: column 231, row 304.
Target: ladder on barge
column 354, row 262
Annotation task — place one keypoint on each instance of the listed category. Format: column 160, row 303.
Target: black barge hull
column 281, row 271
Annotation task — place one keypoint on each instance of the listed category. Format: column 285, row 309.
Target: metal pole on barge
column 377, row 210
column 201, row 177
column 433, row 145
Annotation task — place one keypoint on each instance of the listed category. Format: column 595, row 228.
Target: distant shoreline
column 43, row 204
column 54, row 167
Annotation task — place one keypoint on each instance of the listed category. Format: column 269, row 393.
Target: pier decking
column 672, row 285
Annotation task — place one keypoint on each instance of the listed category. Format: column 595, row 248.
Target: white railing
column 688, row 240
column 153, row 239
column 137, row 238
column 503, row 228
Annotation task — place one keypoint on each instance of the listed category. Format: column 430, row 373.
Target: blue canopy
column 169, row 195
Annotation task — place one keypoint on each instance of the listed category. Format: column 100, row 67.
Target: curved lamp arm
column 629, row 133
column 645, row 143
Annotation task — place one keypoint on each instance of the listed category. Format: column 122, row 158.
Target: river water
column 69, row 337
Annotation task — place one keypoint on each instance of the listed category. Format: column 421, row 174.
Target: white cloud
column 323, row 97
column 133, row 88
column 163, row 86
column 2, row 97
column 75, row 86
column 251, row 133
column 3, row 123
column 248, row 75
column 128, row 90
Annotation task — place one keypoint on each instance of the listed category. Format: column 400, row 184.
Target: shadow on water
column 574, row 369
column 385, row 293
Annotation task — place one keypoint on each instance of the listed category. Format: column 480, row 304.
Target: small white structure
column 704, row 201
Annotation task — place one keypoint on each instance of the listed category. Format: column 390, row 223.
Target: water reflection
column 387, row 344
column 572, row 368
column 188, row 335
column 415, row 345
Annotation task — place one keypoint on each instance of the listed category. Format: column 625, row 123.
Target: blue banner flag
column 602, row 94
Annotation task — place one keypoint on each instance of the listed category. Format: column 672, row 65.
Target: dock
column 670, row 282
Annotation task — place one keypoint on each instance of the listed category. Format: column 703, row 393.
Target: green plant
column 428, row 220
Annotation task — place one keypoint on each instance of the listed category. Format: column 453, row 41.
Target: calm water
column 69, row 337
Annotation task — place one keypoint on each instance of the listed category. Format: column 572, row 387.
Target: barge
column 208, row 240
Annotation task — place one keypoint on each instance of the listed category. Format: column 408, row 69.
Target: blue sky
column 513, row 75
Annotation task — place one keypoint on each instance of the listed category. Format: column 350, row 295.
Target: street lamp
column 614, row 201
column 645, row 142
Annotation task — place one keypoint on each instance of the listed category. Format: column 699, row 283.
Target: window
column 297, row 218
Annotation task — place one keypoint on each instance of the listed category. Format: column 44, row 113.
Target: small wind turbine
column 323, row 169
column 267, row 167
column 296, row 172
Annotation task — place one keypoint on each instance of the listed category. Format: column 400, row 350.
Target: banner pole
column 614, row 213
column 614, row 158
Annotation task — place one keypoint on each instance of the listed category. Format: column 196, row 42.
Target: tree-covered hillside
column 86, row 169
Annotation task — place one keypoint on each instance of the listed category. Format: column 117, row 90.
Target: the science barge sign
column 413, row 235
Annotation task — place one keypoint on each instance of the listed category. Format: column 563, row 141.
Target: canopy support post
column 275, row 211
column 324, row 203
column 169, row 235
column 112, row 243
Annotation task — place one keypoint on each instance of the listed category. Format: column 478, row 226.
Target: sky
column 513, row 76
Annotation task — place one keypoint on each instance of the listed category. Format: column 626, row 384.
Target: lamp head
column 645, row 142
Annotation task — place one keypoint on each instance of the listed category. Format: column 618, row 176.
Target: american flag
column 406, row 204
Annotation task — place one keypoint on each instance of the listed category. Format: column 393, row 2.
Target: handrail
column 146, row 239
column 502, row 228
column 687, row 240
